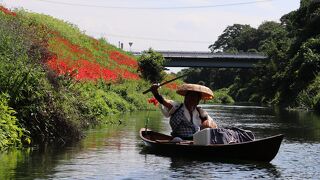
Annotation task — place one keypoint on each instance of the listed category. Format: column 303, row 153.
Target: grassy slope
column 61, row 81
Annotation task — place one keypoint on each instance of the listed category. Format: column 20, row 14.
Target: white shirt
column 196, row 117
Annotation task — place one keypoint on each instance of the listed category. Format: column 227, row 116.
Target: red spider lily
column 122, row 59
column 172, row 86
column 153, row 100
column 55, row 33
column 127, row 74
column 79, row 62
column 108, row 74
column 87, row 70
column 74, row 49
column 7, row 11
column 59, row 66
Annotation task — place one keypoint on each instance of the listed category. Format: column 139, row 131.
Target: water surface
column 116, row 152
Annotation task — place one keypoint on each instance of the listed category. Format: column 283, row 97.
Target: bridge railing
column 208, row 54
column 199, row 54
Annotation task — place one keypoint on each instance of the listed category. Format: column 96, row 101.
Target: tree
column 151, row 66
column 293, row 48
column 238, row 36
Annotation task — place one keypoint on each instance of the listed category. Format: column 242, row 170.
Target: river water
column 116, row 152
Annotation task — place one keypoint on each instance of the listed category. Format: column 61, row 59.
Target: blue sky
column 161, row 25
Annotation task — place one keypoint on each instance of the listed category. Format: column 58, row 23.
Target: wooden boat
column 263, row 150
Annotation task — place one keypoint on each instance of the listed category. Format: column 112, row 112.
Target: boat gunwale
column 210, row 145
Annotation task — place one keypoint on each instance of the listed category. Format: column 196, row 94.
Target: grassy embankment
column 55, row 81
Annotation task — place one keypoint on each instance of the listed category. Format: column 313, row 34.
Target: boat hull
column 259, row 150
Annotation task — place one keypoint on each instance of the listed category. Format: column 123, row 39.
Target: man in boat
column 186, row 118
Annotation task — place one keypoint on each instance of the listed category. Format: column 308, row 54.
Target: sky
column 175, row 25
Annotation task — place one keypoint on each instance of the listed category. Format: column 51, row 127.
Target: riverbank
column 55, row 81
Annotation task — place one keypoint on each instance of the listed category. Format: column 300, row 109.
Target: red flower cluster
column 85, row 70
column 59, row 66
column 122, row 59
column 128, row 75
column 153, row 100
column 81, row 69
column 7, row 11
column 74, row 49
column 172, row 85
column 80, row 63
column 92, row 71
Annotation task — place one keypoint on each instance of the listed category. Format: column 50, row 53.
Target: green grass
column 40, row 106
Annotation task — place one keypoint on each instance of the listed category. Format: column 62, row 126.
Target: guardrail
column 207, row 54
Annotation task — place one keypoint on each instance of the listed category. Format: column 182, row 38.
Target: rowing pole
column 166, row 82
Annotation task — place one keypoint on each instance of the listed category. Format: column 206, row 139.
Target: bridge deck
column 213, row 60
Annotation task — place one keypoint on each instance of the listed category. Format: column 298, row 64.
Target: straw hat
column 205, row 91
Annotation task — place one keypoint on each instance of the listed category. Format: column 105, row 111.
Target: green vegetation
column 55, row 81
column 221, row 96
column 151, row 66
column 290, row 78
column 310, row 97
column 10, row 132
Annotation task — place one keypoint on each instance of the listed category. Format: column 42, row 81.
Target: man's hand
column 209, row 124
column 154, row 88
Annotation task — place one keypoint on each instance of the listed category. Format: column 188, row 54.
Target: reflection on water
column 207, row 170
column 116, row 152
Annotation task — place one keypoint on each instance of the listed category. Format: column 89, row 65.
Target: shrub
column 10, row 130
column 151, row 66
column 310, row 97
column 221, row 97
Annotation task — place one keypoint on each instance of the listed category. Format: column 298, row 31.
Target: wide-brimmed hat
column 206, row 93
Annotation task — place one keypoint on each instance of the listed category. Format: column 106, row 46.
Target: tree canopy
column 293, row 48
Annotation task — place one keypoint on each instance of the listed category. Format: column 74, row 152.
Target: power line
column 157, row 8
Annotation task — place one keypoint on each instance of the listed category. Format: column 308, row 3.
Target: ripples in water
column 117, row 152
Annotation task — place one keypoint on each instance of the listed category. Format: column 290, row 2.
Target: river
column 116, row 152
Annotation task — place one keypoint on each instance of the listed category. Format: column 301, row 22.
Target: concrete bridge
column 212, row 60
